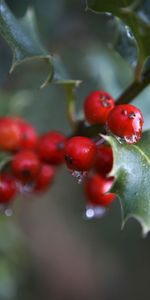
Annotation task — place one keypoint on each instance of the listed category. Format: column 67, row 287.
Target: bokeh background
column 47, row 250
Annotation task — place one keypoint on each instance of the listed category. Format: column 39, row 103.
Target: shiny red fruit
column 44, row 178
column 7, row 188
column 29, row 135
column 25, row 165
column 97, row 188
column 50, row 147
column 97, row 107
column 104, row 160
column 10, row 134
column 80, row 153
column 126, row 121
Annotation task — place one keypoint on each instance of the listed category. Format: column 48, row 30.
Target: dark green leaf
column 125, row 43
column 132, row 179
column 135, row 14
column 22, row 37
column 107, row 6
column 60, row 75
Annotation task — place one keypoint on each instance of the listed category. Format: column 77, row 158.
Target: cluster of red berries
column 30, row 160
column 33, row 159
column 124, row 121
column 82, row 154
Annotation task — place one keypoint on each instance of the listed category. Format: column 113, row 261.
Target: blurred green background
column 47, row 250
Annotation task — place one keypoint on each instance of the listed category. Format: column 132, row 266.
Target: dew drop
column 129, row 32
column 94, row 212
column 6, row 210
column 24, row 188
column 79, row 175
column 133, row 139
column 121, row 140
column 132, row 115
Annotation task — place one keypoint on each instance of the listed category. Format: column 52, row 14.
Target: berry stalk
column 71, row 107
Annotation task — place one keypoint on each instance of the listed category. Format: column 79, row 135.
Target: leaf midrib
column 142, row 153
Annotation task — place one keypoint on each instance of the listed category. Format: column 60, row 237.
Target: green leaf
column 125, row 43
column 60, row 75
column 22, row 37
column 135, row 14
column 107, row 6
column 132, row 179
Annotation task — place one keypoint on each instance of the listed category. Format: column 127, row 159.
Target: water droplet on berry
column 94, row 212
column 79, row 175
column 133, row 139
column 105, row 101
column 24, row 188
column 132, row 115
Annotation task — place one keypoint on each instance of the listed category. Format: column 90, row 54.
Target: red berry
column 96, row 188
column 7, row 188
column 25, row 165
column 104, row 160
column 10, row 134
column 125, row 121
column 97, row 107
column 51, row 147
column 44, row 178
column 80, row 153
column 28, row 135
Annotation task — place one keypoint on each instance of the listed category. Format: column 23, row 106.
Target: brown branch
column 134, row 89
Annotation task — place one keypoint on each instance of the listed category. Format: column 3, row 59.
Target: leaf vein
column 142, row 153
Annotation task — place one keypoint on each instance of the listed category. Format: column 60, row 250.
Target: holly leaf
column 132, row 178
column 60, row 75
column 22, row 37
column 135, row 14
column 125, row 43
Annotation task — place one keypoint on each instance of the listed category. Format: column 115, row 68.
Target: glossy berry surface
column 29, row 136
column 10, row 134
column 25, row 165
column 95, row 189
column 97, row 107
column 104, row 160
column 51, row 147
column 126, row 121
column 7, row 188
column 44, row 178
column 80, row 153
